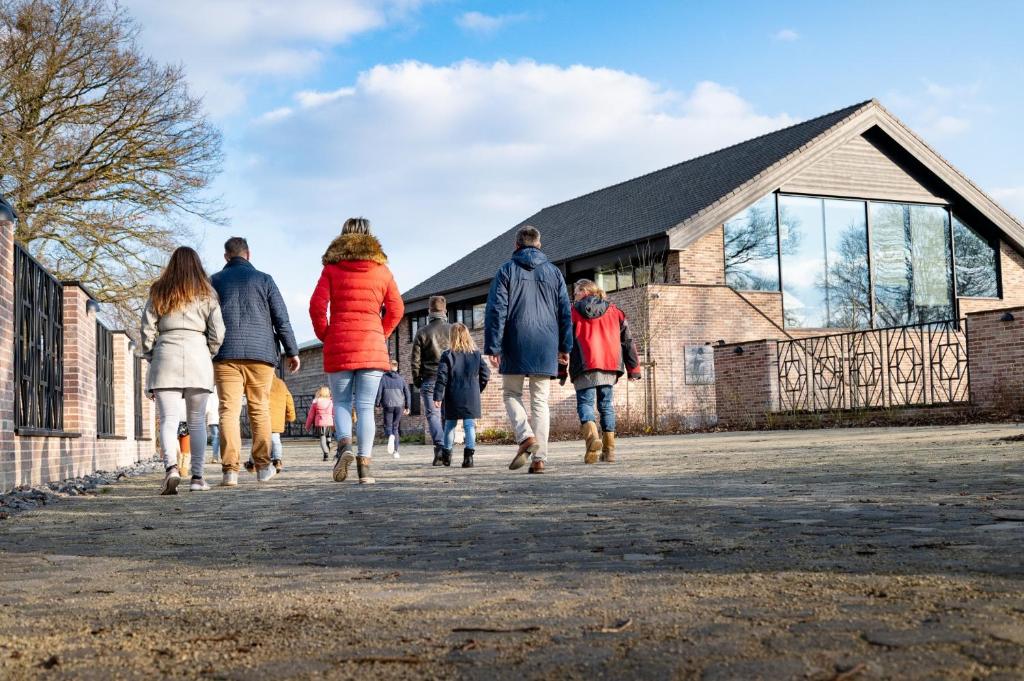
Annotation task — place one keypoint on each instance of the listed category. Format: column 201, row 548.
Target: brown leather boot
column 536, row 467
column 363, row 468
column 592, row 439
column 527, row 448
column 608, row 450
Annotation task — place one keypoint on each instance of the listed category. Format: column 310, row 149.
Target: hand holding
column 563, row 358
column 293, row 364
column 495, row 360
column 437, row 404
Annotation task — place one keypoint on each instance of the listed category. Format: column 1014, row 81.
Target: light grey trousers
column 535, row 423
column 168, row 409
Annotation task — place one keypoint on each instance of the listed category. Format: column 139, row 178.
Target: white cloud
column 949, row 125
column 939, row 110
column 1011, row 198
column 486, row 24
column 227, row 44
column 786, row 35
column 442, row 158
column 310, row 98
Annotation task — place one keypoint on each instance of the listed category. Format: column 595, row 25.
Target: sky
column 448, row 122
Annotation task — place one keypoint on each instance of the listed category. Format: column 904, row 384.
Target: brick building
column 845, row 222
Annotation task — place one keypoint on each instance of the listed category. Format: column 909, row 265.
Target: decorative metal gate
column 897, row 367
column 298, row 428
column 38, row 347
column 104, row 380
column 137, row 382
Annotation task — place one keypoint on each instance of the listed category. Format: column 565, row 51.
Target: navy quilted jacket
column 255, row 316
column 528, row 319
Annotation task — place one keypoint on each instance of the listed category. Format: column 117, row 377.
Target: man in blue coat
column 528, row 331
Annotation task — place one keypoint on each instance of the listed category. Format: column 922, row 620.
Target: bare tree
column 106, row 154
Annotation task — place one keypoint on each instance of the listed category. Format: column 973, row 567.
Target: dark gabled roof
column 632, row 211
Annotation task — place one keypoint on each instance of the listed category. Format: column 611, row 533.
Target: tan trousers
column 253, row 379
column 535, row 423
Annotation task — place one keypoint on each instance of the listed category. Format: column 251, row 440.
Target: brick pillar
column 148, row 411
column 124, row 393
column 746, row 383
column 8, row 475
column 79, row 366
column 995, row 355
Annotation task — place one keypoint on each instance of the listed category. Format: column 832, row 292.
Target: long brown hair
column 460, row 340
column 182, row 281
column 588, row 287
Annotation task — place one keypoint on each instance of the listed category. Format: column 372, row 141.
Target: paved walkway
column 845, row 554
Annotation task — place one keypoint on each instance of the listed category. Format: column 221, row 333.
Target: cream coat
column 180, row 345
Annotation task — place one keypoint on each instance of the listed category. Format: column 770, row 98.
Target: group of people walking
column 226, row 333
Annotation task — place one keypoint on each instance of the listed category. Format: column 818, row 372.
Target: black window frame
column 106, row 422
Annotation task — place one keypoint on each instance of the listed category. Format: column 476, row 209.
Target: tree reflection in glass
column 976, row 272
column 752, row 248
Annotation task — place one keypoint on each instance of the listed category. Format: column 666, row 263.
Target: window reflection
column 801, row 223
column 976, row 270
column 752, row 248
column 848, row 280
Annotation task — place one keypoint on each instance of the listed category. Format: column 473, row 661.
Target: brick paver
column 847, row 554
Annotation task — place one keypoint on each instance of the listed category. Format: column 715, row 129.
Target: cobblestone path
column 843, row 554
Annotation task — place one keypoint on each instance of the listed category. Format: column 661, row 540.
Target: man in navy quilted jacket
column 256, row 323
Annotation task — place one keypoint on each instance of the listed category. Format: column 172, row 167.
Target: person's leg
column 325, row 446
column 230, row 387
column 469, row 426
column 606, row 407
column 540, row 414
column 585, row 405
column 341, row 383
column 449, row 433
column 214, row 429
column 512, row 395
column 388, row 414
column 168, row 409
column 195, row 408
column 364, row 394
column 275, row 446
column 259, row 379
column 432, row 413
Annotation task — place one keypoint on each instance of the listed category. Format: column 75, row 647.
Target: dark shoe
column 467, row 458
column 446, row 457
column 278, row 464
column 250, row 466
column 527, row 448
column 536, row 467
column 363, row 468
column 344, row 460
column 438, row 456
column 325, row 457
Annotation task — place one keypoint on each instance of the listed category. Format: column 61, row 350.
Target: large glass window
column 752, row 248
column 848, row 278
column 912, row 257
column 977, row 272
column 802, row 224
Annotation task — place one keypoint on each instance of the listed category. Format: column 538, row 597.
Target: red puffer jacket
column 356, row 283
column 603, row 341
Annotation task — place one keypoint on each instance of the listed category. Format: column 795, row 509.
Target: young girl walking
column 462, row 374
column 321, row 419
column 182, row 330
column 602, row 352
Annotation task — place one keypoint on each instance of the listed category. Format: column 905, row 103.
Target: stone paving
column 830, row 555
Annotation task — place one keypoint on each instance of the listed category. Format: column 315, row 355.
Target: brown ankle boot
column 363, row 468
column 608, row 450
column 592, row 438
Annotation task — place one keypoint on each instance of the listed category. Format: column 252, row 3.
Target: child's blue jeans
column 468, row 425
column 602, row 395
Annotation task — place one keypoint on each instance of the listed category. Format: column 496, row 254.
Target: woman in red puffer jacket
column 365, row 308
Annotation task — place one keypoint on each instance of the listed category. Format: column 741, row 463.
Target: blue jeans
column 468, row 425
column 602, row 394
column 214, row 429
column 357, row 388
column 431, row 413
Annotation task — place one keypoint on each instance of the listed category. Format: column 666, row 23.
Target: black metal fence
column 104, row 380
column 137, row 392
column 904, row 366
column 298, row 427
column 38, row 347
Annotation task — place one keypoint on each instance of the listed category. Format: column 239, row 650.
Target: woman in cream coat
column 182, row 330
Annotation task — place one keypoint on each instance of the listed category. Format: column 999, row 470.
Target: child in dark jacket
column 603, row 351
column 394, row 399
column 462, row 374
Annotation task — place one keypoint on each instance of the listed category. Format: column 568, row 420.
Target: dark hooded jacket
column 603, row 341
column 393, row 392
column 356, row 286
column 528, row 319
column 430, row 342
column 461, row 377
column 255, row 316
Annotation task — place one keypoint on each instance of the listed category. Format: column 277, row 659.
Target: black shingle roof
column 637, row 209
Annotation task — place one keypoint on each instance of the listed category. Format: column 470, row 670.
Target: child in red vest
column 602, row 352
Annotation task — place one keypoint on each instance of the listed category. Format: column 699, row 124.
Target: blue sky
column 447, row 122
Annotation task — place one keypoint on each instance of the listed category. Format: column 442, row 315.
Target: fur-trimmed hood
column 355, row 247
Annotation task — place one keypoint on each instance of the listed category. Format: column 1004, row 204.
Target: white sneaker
column 397, row 455
column 391, row 444
column 266, row 474
column 171, row 480
column 230, row 479
column 199, row 485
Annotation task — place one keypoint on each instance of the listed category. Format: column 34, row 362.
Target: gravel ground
column 842, row 554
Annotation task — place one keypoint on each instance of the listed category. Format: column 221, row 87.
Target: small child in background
column 462, row 374
column 282, row 412
column 394, row 399
column 213, row 423
column 320, row 419
column 603, row 350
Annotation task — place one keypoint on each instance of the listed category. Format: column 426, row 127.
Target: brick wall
column 995, row 349
column 33, row 460
column 1011, row 266
column 702, row 262
column 746, row 383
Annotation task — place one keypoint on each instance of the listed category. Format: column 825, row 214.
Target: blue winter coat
column 255, row 316
column 461, row 377
column 529, row 317
column 393, row 392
